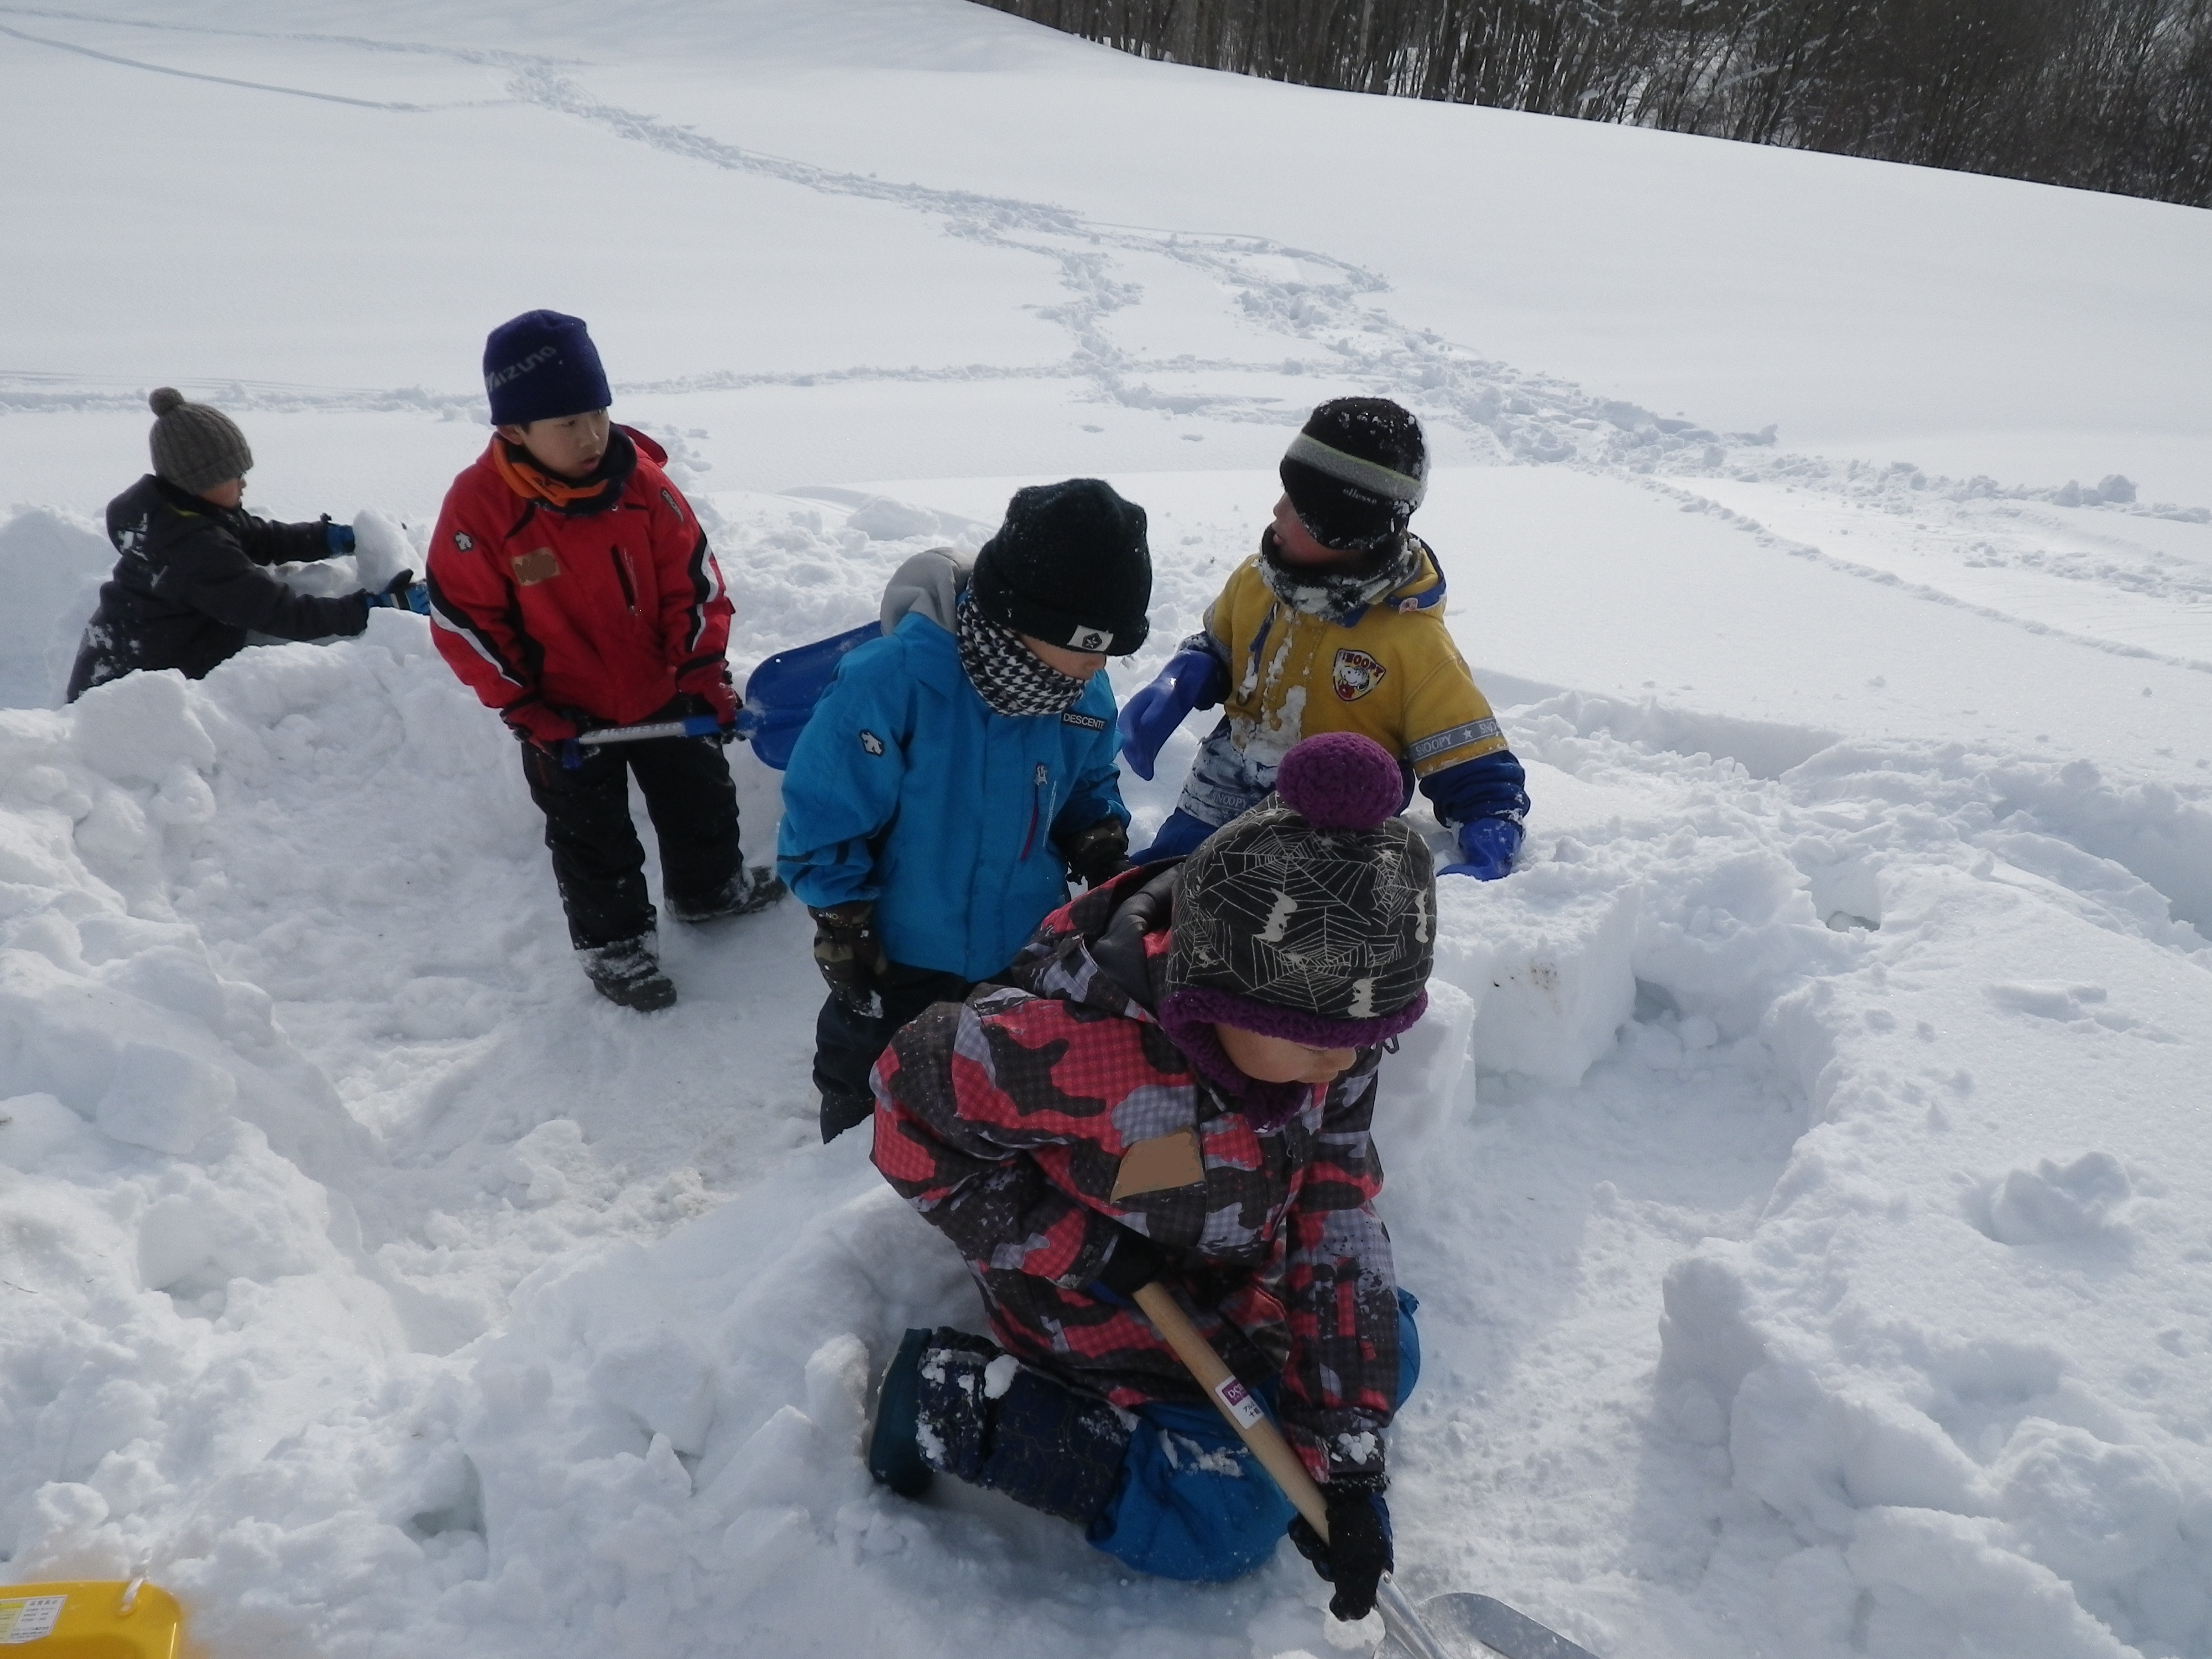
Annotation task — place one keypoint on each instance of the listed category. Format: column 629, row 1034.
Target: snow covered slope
column 1804, row 1166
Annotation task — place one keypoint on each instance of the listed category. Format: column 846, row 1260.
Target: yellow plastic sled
column 92, row 1619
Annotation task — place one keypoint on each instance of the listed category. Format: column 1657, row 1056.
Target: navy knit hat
column 1356, row 473
column 1070, row 566
column 541, row 366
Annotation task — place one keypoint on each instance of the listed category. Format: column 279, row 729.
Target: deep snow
column 1804, row 1169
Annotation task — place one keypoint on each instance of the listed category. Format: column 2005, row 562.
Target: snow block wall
column 1930, row 1354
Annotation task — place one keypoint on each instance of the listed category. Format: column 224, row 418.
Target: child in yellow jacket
column 1336, row 625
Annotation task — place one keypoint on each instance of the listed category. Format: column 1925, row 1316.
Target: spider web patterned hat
column 1311, row 917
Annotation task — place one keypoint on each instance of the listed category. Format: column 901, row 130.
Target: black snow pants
column 597, row 858
column 847, row 1045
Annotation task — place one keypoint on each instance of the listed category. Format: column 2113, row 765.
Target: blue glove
column 339, row 536
column 1191, row 680
column 1486, row 847
column 401, row 592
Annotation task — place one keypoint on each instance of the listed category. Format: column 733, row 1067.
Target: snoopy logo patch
column 871, row 742
column 463, row 540
column 1356, row 674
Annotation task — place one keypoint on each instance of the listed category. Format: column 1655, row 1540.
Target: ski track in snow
column 539, row 1377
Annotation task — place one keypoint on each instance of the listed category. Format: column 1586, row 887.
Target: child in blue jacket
column 959, row 770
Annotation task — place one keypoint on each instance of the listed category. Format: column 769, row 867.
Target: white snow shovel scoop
column 1454, row 1627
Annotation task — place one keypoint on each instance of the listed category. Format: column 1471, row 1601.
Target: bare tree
column 2102, row 94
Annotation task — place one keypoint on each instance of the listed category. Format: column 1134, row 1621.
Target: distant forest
column 2101, row 95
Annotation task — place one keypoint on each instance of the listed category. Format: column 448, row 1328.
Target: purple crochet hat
column 1312, row 918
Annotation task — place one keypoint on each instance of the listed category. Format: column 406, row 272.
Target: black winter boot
column 752, row 889
column 983, row 1417
column 627, row 972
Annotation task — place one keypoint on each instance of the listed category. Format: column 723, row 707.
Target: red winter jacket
column 601, row 598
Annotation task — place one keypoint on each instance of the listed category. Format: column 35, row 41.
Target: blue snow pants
column 1194, row 1504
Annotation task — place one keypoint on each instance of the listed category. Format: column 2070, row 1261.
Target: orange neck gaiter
column 533, row 484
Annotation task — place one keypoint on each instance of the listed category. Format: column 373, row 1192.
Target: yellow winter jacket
column 1393, row 675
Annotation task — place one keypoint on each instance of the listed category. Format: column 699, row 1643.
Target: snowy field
column 1806, row 1167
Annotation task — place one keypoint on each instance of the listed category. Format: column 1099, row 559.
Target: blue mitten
column 1486, row 847
column 339, row 537
column 1193, row 678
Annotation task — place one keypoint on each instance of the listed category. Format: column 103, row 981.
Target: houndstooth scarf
column 1009, row 678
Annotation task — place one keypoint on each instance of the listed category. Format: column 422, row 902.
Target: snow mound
column 51, row 565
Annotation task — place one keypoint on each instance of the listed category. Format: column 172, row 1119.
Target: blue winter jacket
column 905, row 788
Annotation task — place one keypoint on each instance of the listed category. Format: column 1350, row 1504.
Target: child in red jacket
column 571, row 588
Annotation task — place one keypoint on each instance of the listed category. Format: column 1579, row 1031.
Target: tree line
column 2100, row 94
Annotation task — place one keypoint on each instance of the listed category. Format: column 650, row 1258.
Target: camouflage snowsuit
column 1004, row 1120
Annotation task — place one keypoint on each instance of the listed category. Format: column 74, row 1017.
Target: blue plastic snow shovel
column 692, row 725
column 782, row 691
column 1478, row 1626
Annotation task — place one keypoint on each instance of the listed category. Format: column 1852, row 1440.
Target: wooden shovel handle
column 1253, row 1425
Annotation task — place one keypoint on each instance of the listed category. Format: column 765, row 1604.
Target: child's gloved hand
column 850, row 955
column 1134, row 1262
column 338, row 537
column 1095, row 856
column 401, row 592
column 1358, row 1552
column 712, row 691
column 1190, row 680
column 540, row 724
column 1487, row 847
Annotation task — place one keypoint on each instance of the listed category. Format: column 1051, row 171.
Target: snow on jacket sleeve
column 1340, row 1292
column 842, row 786
column 221, row 574
column 966, row 1155
column 474, row 620
column 695, row 606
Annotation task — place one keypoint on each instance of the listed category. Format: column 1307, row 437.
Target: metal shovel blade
column 1466, row 1626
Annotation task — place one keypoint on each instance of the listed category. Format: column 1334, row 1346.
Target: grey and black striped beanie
column 1355, row 472
column 195, row 447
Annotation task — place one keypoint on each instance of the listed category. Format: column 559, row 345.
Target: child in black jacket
column 192, row 581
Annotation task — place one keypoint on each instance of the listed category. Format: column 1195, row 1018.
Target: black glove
column 1095, row 856
column 1134, row 1262
column 1358, row 1552
column 850, row 955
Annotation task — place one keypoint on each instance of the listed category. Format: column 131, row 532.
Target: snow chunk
column 2035, row 1206
column 164, row 1100
column 136, row 728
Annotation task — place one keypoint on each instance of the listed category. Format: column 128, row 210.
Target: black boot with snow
column 749, row 890
column 982, row 1416
column 627, row 972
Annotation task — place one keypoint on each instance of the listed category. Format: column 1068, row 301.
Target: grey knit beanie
column 195, row 447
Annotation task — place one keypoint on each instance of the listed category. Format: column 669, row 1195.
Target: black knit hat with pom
column 195, row 447
column 1356, row 473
